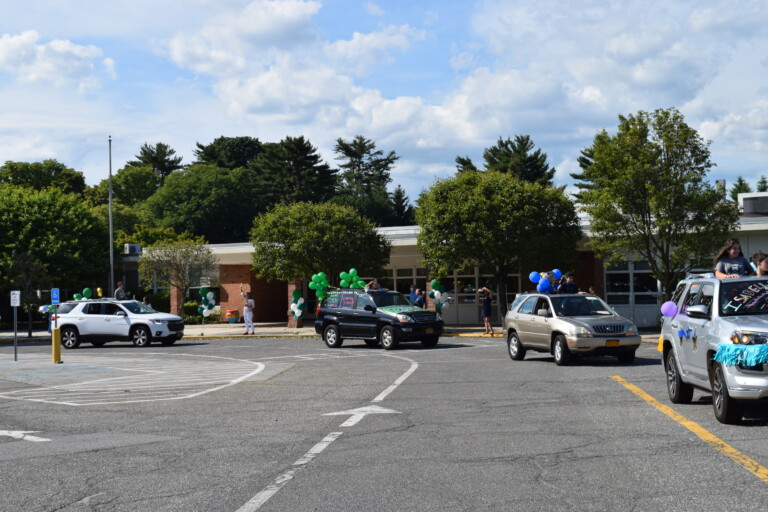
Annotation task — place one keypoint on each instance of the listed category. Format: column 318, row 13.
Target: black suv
column 375, row 316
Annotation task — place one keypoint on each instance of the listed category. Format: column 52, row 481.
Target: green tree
column 403, row 212
column 762, row 184
column 740, row 186
column 52, row 231
column 516, row 157
column 178, row 265
column 28, row 275
column 292, row 171
column 213, row 202
column 40, row 175
column 229, row 152
column 148, row 236
column 495, row 221
column 160, row 158
column 131, row 185
column 646, row 192
column 365, row 173
column 295, row 241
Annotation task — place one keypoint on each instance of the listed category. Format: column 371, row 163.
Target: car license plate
column 612, row 343
column 429, row 330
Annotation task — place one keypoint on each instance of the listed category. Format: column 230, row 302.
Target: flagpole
column 111, row 234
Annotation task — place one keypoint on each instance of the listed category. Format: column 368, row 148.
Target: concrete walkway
column 270, row 330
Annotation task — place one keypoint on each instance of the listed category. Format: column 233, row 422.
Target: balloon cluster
column 437, row 293
column 297, row 304
column 351, row 279
column 544, row 280
column 319, row 283
column 87, row 293
column 209, row 301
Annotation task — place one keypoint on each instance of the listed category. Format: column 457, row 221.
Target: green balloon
column 312, row 285
column 296, row 294
column 344, row 283
column 344, row 276
column 200, row 310
column 204, row 291
column 205, row 301
column 353, row 272
column 77, row 296
column 87, row 293
column 322, row 276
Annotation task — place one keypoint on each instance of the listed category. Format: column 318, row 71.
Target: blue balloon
column 556, row 272
column 534, row 277
column 543, row 285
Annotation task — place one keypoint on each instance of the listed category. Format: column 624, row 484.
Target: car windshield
column 389, row 299
column 138, row 308
column 744, row 298
column 580, row 306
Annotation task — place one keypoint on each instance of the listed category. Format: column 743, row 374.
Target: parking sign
column 54, row 296
column 15, row 298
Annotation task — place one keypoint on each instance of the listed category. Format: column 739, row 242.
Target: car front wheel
column 141, row 337
column 727, row 410
column 387, row 338
column 679, row 391
column 331, row 336
column 70, row 338
column 560, row 351
column 514, row 347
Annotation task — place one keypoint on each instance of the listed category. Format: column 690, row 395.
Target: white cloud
column 374, row 9
column 57, row 62
column 366, row 50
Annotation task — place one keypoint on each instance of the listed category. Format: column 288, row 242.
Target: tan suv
column 567, row 325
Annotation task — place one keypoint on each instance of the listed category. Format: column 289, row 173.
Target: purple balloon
column 669, row 309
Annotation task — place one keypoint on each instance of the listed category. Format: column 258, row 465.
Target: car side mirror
column 370, row 308
column 543, row 312
column 120, row 313
column 699, row 311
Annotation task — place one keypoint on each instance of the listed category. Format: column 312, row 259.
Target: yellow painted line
column 705, row 435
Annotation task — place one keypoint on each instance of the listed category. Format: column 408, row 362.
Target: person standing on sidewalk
column 487, row 298
column 248, row 305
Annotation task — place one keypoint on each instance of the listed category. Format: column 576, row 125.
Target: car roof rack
column 699, row 275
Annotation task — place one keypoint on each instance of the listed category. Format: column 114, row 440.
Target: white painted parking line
column 23, row 435
column 145, row 377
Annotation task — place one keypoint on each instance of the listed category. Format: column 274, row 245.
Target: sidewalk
column 272, row 330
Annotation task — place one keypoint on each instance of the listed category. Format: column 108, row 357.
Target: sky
column 428, row 79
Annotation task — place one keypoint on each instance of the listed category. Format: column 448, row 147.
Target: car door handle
column 674, row 324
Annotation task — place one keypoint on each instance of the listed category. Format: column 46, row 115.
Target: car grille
column 176, row 326
column 611, row 329
column 424, row 318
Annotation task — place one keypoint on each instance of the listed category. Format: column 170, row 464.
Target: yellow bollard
column 56, row 345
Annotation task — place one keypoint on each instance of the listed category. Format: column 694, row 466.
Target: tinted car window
column 93, row 308
column 347, row 300
column 744, row 298
column 111, row 309
column 332, row 301
column 65, row 308
column 527, row 307
column 518, row 300
column 364, row 300
column 390, row 299
column 138, row 308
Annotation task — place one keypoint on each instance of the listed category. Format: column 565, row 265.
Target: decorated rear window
column 744, row 298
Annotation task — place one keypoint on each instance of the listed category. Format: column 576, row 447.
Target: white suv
column 102, row 320
column 707, row 338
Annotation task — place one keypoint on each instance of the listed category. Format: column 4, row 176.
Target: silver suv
column 712, row 315
column 102, row 320
column 567, row 325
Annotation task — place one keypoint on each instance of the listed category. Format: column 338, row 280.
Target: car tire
column 727, row 410
column 430, row 342
column 331, row 336
column 141, row 336
column 372, row 343
column 168, row 341
column 98, row 343
column 627, row 357
column 679, row 391
column 387, row 338
column 70, row 338
column 514, row 347
column 560, row 351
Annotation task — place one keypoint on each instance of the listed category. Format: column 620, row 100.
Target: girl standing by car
column 730, row 262
column 487, row 298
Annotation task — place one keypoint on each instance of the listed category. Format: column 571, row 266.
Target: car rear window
column 65, row 308
column 390, row 299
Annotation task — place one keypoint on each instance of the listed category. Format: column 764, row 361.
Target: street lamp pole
column 111, row 234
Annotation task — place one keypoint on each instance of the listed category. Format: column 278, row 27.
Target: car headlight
column 405, row 319
column 632, row 330
column 158, row 322
column 749, row 337
column 583, row 332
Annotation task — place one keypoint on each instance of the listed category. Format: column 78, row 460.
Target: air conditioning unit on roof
column 132, row 249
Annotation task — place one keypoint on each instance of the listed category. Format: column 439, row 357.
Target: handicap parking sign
column 54, row 296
